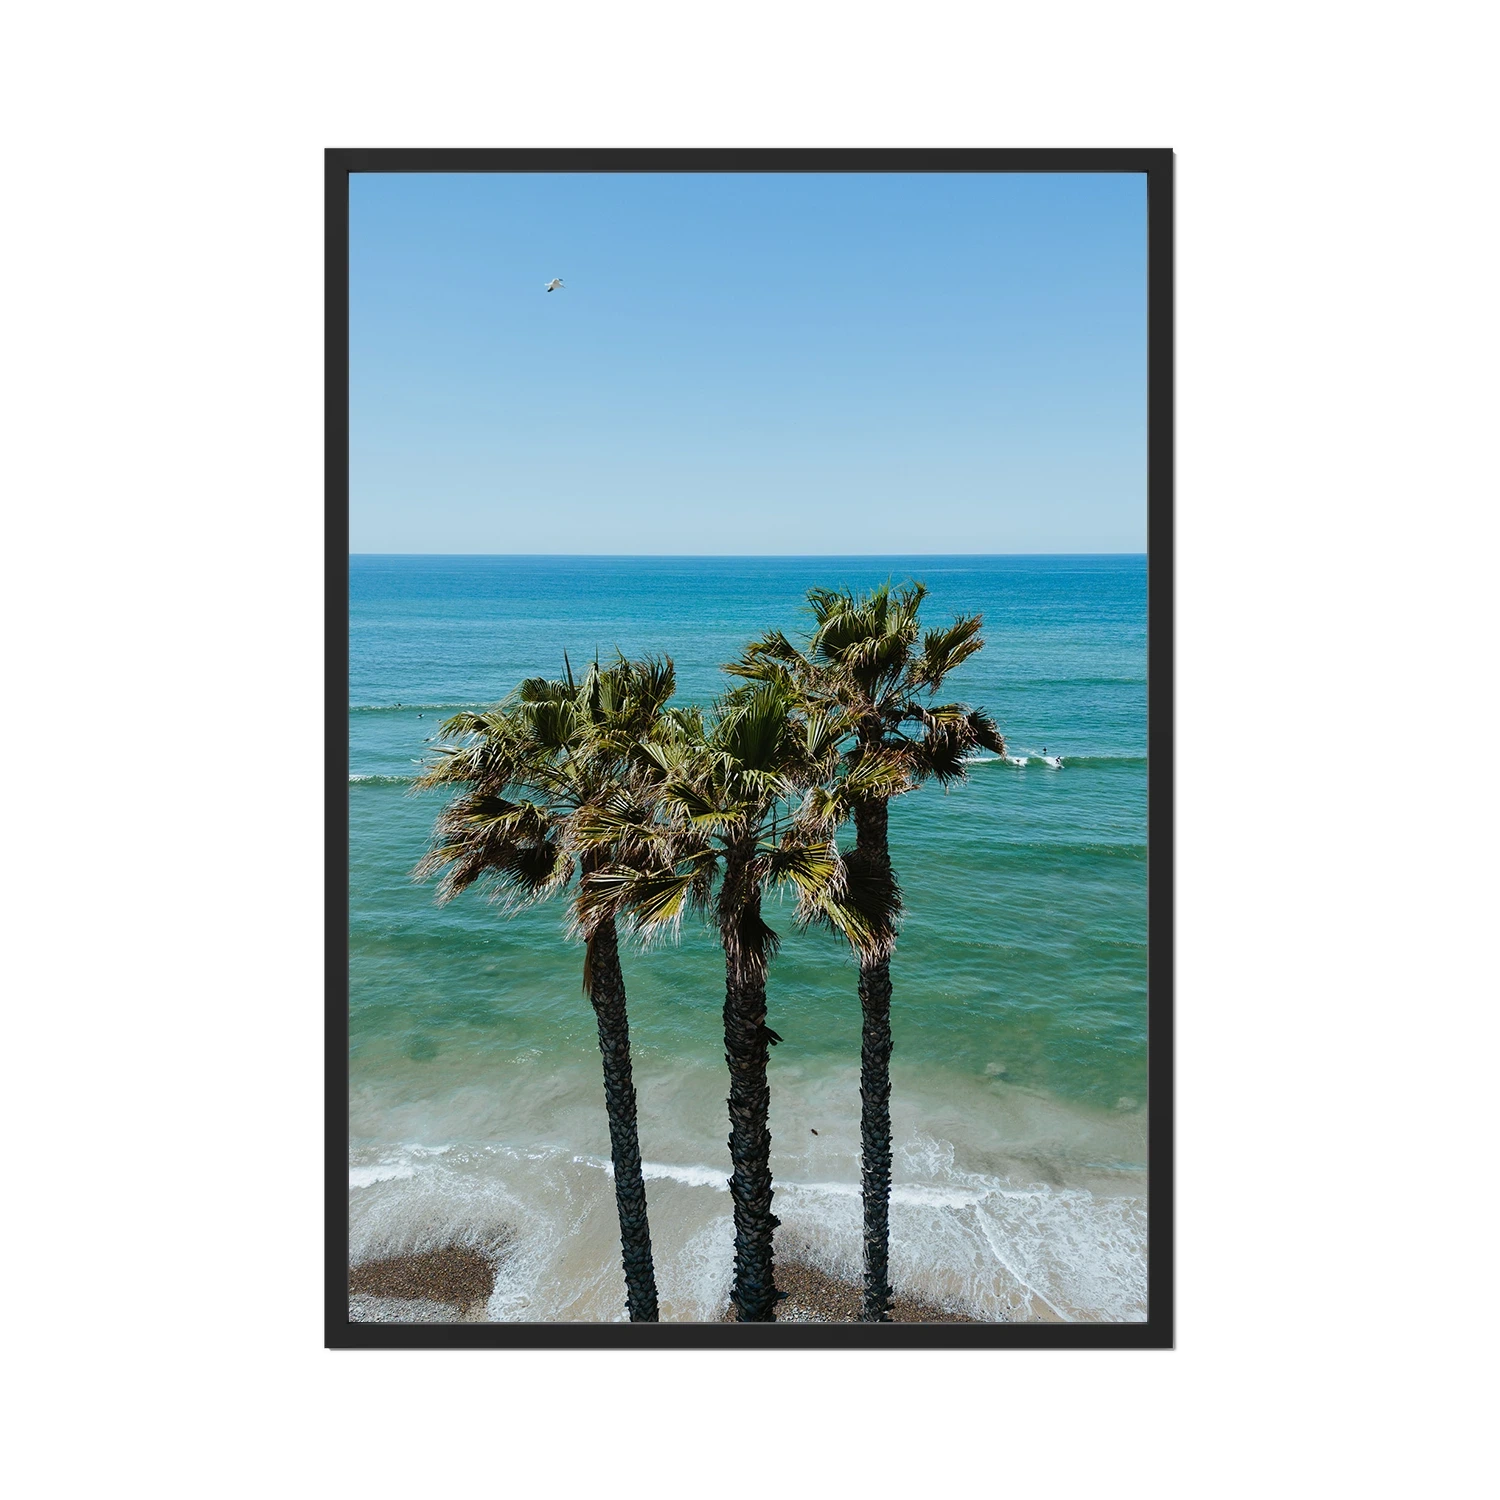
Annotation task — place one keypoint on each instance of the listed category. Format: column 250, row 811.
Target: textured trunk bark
column 607, row 993
column 747, row 1052
column 872, row 852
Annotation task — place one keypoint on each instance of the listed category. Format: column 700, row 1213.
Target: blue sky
column 766, row 364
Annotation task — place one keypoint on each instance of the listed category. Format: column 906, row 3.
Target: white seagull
column 553, row 285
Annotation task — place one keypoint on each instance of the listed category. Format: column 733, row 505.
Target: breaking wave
column 1056, row 762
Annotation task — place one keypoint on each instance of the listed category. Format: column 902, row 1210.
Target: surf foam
column 997, row 1248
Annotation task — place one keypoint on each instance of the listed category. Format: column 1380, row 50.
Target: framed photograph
column 749, row 581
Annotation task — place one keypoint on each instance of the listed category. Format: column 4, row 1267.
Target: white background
column 162, row 407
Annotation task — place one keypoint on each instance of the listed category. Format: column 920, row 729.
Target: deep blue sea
column 1019, row 1012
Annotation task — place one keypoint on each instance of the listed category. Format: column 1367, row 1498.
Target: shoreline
column 1036, row 1234
column 453, row 1284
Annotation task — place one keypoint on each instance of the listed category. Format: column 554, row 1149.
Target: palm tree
column 530, row 768
column 721, row 813
column 864, row 662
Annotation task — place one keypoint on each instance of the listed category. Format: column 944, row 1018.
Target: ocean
column 1019, row 1104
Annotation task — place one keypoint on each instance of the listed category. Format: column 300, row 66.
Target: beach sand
column 453, row 1284
column 813, row 1296
column 439, row 1286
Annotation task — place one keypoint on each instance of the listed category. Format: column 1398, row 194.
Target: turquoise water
column 1020, row 979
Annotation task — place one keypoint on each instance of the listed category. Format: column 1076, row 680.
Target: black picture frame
column 1156, row 1332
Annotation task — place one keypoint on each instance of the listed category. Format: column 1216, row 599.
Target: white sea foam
column 997, row 1247
column 361, row 1177
column 655, row 1171
column 710, row 1177
column 693, row 1284
column 991, row 1246
column 1053, row 762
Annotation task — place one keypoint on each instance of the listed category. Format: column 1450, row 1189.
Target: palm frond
column 772, row 658
column 825, row 808
column 824, row 604
column 950, row 716
column 682, row 723
column 650, row 683
column 765, row 787
column 945, row 650
column 870, row 775
column 824, row 732
column 518, row 870
column 870, row 905
column 829, row 895
column 951, row 734
column 543, row 690
column 809, row 867
column 553, row 782
column 905, row 606
column 748, row 931
column 750, row 732
column 985, row 732
column 652, row 901
column 555, row 725
column 877, row 774
column 465, row 722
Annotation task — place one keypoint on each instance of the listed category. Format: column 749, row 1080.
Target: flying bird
column 553, row 285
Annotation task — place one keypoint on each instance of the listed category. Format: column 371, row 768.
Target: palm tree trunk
column 747, row 1051
column 872, row 852
column 607, row 993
